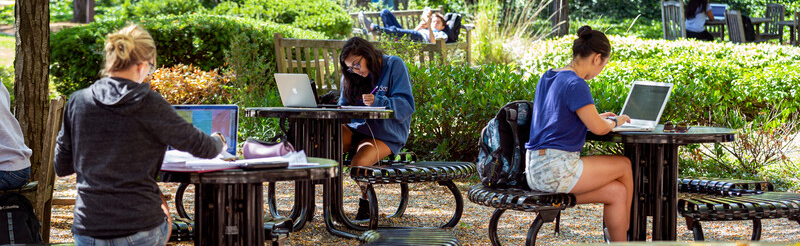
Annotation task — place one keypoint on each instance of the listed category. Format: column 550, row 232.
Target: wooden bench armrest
column 468, row 27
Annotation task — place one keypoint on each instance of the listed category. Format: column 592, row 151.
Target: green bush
column 324, row 16
column 710, row 78
column 455, row 102
column 76, row 54
column 7, row 79
column 145, row 9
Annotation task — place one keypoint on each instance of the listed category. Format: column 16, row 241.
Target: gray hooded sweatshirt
column 14, row 155
column 113, row 137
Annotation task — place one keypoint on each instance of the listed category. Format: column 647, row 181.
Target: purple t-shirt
column 555, row 123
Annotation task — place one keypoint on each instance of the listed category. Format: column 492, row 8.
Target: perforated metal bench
column 427, row 171
column 732, row 200
column 723, row 187
column 410, row 236
column 548, row 206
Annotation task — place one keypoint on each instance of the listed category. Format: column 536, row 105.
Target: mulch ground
column 431, row 205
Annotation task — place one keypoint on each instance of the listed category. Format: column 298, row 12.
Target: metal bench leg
column 756, row 230
column 373, row 207
column 697, row 230
column 401, row 209
column 459, row 203
column 179, row 201
column 493, row 226
column 534, row 230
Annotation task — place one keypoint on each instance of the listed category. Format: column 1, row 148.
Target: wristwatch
column 616, row 124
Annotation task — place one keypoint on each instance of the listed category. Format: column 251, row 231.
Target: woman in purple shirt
column 563, row 111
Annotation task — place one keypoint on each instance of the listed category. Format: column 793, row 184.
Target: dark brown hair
column 694, row 7
column 353, row 84
column 590, row 42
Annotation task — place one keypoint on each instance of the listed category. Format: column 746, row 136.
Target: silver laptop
column 295, row 90
column 645, row 103
column 718, row 10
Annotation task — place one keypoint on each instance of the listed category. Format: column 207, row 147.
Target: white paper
column 361, row 107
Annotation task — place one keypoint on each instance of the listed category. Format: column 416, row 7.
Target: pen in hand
column 374, row 90
column 369, row 98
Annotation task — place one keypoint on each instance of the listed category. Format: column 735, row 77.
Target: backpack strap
column 511, row 118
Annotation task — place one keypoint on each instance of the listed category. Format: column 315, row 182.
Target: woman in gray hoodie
column 114, row 137
column 15, row 163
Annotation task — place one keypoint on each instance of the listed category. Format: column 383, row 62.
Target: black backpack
column 501, row 160
column 18, row 223
column 749, row 30
column 453, row 21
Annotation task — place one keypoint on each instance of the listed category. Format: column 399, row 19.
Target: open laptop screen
column 645, row 101
column 213, row 118
column 718, row 10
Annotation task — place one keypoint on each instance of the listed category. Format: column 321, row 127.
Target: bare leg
column 367, row 154
column 604, row 180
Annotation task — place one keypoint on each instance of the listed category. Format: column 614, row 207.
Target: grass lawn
column 7, row 50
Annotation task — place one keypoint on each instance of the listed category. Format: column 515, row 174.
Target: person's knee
column 615, row 191
column 361, row 161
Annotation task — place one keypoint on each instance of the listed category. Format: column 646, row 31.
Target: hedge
column 324, row 16
column 711, row 80
column 76, row 53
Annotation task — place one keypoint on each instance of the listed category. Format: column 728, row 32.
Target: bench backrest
column 407, row 18
column 796, row 37
column 775, row 12
column 672, row 18
column 320, row 59
column 735, row 26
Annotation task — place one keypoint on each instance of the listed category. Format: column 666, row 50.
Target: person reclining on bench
column 563, row 110
column 429, row 29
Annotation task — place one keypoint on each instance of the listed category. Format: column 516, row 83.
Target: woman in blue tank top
column 563, row 111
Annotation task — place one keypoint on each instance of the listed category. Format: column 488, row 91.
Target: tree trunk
column 82, row 11
column 31, row 69
column 560, row 17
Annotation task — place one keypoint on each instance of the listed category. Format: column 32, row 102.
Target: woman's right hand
column 224, row 141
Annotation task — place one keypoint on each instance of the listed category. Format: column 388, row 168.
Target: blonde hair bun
column 129, row 46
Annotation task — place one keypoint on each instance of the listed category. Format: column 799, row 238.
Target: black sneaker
column 363, row 209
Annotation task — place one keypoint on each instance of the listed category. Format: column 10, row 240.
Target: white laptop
column 645, row 103
column 718, row 10
column 296, row 91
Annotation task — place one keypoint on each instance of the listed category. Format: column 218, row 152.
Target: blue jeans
column 392, row 26
column 14, row 179
column 158, row 236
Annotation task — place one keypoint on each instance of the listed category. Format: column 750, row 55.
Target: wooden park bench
column 730, row 200
column 548, row 205
column 320, row 59
column 409, row 19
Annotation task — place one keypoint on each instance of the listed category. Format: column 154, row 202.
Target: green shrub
column 7, row 79
column 324, row 16
column 710, row 78
column 145, row 9
column 76, row 53
column 455, row 102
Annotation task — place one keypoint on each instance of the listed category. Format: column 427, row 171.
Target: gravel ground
column 431, row 205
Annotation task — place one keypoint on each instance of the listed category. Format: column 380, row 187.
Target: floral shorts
column 552, row 170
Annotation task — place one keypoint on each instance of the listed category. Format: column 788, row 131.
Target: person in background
column 114, row 136
column 370, row 78
column 431, row 27
column 563, row 111
column 15, row 163
column 696, row 12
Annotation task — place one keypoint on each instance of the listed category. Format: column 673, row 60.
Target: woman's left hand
column 368, row 99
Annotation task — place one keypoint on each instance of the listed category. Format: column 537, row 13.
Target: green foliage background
column 76, row 53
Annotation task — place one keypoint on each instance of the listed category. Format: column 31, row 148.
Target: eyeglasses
column 680, row 127
column 356, row 65
column 152, row 68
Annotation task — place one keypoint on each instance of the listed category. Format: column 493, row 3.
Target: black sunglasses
column 680, row 127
